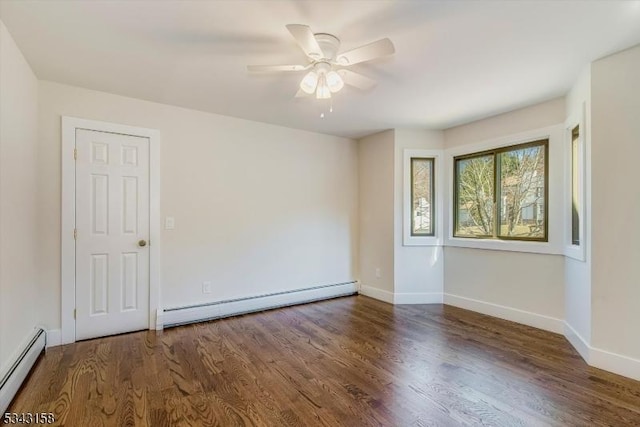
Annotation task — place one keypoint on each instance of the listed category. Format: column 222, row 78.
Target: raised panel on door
column 130, row 204
column 129, row 283
column 112, row 215
column 99, row 284
column 99, row 204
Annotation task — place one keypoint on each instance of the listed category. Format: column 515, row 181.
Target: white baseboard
column 418, row 298
column 598, row 358
column 183, row 315
column 576, row 340
column 379, row 294
column 11, row 380
column 54, row 338
column 603, row 359
column 616, row 363
column 539, row 321
column 403, row 297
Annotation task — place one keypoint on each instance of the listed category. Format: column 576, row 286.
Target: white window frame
column 556, row 233
column 577, row 252
column 438, row 190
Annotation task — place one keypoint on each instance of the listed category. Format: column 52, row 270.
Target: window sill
column 505, row 245
column 575, row 252
column 421, row 241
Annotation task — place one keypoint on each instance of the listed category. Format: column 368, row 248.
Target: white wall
column 258, row 208
column 529, row 285
column 529, row 118
column 418, row 270
column 577, row 272
column 376, row 200
column 20, row 301
column 615, row 96
column 261, row 208
column 524, row 287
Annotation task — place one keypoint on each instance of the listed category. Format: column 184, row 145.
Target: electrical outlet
column 378, row 273
column 206, row 287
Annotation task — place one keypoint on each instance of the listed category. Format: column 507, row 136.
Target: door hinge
column 75, row 233
column 75, row 154
column 74, row 313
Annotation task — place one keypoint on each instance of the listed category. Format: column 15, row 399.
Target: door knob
column 142, row 243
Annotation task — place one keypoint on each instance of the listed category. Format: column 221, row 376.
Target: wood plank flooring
column 350, row 361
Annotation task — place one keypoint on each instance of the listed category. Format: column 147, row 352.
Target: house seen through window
column 422, row 198
column 502, row 193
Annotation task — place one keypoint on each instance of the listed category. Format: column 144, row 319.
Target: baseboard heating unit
column 12, row 380
column 234, row 307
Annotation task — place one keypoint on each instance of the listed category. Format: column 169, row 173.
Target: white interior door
column 112, row 226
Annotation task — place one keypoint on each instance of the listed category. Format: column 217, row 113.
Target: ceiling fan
column 328, row 73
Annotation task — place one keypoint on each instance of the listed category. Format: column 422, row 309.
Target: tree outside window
column 502, row 193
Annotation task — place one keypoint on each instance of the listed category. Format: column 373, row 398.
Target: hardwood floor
column 351, row 361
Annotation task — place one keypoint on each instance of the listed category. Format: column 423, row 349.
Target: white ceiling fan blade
column 301, row 94
column 269, row 68
column 356, row 80
column 367, row 52
column 305, row 38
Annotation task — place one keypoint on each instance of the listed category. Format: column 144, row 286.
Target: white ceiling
column 455, row 61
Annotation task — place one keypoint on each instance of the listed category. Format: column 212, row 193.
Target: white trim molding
column 595, row 357
column 418, row 298
column 401, row 297
column 376, row 293
column 613, row 362
column 577, row 341
column 602, row 359
column 577, row 252
column 556, row 224
column 68, row 267
column 54, row 338
column 524, row 317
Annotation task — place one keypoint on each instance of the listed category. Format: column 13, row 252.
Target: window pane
column 522, row 192
column 422, row 197
column 474, row 196
column 575, row 195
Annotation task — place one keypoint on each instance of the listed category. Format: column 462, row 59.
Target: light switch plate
column 169, row 223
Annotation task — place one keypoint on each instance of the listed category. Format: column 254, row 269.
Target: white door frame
column 68, row 248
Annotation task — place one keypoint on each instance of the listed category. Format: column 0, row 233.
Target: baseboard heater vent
column 12, row 380
column 234, row 307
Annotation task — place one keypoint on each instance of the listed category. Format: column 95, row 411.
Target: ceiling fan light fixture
column 326, row 69
column 323, row 91
column 334, row 81
column 309, row 82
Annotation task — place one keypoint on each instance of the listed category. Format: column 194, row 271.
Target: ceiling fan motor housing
column 322, row 67
column 329, row 45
